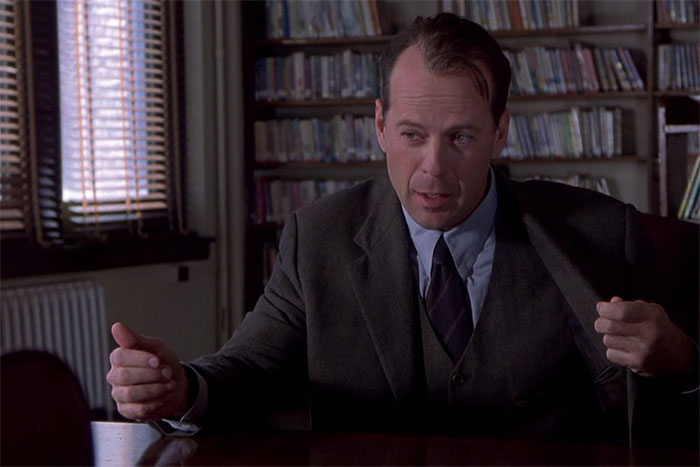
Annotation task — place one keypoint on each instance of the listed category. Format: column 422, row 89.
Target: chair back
column 44, row 416
column 676, row 246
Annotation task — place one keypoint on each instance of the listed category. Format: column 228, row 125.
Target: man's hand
column 148, row 381
column 640, row 336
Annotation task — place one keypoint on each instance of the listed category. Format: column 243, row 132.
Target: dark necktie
column 447, row 303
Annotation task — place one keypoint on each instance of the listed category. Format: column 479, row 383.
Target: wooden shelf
column 317, row 103
column 384, row 39
column 695, row 92
column 676, row 129
column 534, row 97
column 567, row 160
column 680, row 26
column 589, row 95
column 323, row 41
column 302, row 165
column 581, row 30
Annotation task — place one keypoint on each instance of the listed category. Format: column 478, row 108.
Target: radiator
column 68, row 320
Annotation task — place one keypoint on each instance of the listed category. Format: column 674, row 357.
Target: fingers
column 151, row 401
column 629, row 312
column 133, row 358
column 119, row 375
column 621, row 343
column 617, row 328
column 622, row 318
column 140, row 393
column 640, row 336
column 141, row 411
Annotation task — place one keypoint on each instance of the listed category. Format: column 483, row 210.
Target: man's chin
column 433, row 221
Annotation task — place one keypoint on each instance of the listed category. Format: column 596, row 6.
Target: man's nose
column 435, row 158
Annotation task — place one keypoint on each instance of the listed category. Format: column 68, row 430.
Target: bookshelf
column 678, row 133
column 633, row 172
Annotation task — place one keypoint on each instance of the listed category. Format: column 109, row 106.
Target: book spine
column 631, row 67
column 619, row 70
column 600, row 68
column 590, row 70
column 695, row 189
column 515, row 18
column 688, row 190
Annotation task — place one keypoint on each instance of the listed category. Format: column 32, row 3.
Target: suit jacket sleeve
column 662, row 414
column 252, row 373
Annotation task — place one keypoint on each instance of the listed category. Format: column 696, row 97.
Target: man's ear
column 501, row 134
column 379, row 125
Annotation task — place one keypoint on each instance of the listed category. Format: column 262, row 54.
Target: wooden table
column 140, row 444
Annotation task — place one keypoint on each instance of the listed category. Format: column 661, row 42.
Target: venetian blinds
column 118, row 166
column 14, row 183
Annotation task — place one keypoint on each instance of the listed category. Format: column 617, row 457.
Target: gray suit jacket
column 338, row 315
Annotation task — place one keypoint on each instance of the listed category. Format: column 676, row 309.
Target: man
column 508, row 334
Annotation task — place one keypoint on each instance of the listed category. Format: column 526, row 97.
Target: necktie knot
column 442, row 255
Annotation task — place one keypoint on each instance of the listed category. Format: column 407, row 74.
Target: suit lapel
column 583, row 282
column 566, row 263
column 384, row 287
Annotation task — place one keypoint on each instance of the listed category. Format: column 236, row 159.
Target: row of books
column 689, row 208
column 678, row 67
column 580, row 69
column 516, row 15
column 342, row 138
column 277, row 199
column 599, row 184
column 690, row 204
column 677, row 11
column 329, row 18
column 574, row 133
column 300, row 76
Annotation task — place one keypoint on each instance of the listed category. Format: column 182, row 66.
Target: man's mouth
column 432, row 200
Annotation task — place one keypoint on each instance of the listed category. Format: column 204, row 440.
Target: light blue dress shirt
column 472, row 245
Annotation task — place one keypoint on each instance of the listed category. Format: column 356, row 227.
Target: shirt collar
column 464, row 241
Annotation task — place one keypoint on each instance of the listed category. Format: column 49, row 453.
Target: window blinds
column 14, row 182
column 115, row 120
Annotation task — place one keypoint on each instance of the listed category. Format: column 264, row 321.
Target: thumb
column 615, row 299
column 127, row 338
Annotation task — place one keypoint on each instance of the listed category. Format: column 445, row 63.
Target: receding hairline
column 477, row 70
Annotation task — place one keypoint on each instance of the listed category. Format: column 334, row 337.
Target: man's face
column 439, row 138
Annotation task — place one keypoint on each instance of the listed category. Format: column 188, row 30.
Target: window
column 114, row 112
column 90, row 122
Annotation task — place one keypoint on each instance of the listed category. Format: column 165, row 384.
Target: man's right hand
column 148, row 381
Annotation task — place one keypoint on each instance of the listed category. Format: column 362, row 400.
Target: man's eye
column 410, row 135
column 462, row 138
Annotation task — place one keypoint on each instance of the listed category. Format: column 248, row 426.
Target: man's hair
column 451, row 45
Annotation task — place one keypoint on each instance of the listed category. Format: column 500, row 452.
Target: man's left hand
column 640, row 336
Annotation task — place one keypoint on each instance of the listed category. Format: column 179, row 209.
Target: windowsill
column 21, row 260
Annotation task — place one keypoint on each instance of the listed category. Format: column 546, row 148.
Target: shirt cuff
column 188, row 424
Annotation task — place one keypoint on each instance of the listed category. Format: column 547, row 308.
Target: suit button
column 457, row 379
